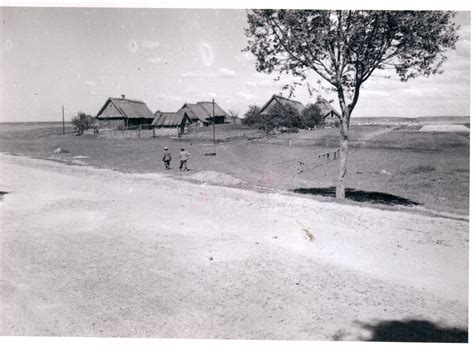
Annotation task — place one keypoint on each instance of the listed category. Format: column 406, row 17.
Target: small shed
column 178, row 120
column 117, row 113
column 201, row 113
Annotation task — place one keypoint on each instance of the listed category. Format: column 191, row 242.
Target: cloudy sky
column 78, row 57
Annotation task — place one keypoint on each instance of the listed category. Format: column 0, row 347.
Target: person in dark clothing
column 167, row 158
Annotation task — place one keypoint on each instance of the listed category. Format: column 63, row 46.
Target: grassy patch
column 419, row 169
column 285, row 162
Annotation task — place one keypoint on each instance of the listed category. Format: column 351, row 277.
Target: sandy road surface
column 88, row 252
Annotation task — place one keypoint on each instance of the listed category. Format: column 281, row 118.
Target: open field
column 95, row 252
column 430, row 168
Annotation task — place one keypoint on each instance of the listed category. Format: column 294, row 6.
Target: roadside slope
column 98, row 252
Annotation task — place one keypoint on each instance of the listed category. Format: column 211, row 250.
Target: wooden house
column 283, row 102
column 201, row 113
column 118, row 113
column 330, row 114
column 178, row 120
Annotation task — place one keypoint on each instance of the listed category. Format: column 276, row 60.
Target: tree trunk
column 343, row 149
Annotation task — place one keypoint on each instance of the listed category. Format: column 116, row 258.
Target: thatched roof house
column 178, row 119
column 327, row 110
column 124, row 112
column 201, row 113
column 330, row 114
column 282, row 101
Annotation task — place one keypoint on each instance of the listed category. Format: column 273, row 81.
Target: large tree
column 345, row 47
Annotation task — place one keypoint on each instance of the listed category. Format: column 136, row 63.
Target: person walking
column 183, row 159
column 167, row 158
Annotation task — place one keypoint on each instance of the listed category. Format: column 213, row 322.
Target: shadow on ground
column 2, row 193
column 417, row 331
column 359, row 196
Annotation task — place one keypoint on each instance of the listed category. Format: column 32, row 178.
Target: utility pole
column 213, row 124
column 64, row 129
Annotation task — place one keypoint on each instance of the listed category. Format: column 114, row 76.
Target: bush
column 277, row 117
column 82, row 122
column 282, row 116
column 252, row 116
column 312, row 117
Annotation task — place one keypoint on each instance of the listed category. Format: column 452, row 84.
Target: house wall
column 331, row 120
column 111, row 123
column 198, row 123
column 134, row 122
column 235, row 121
column 166, row 131
column 121, row 123
column 219, row 119
column 126, row 134
column 110, row 111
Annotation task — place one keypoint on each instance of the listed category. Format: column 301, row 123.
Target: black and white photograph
column 286, row 172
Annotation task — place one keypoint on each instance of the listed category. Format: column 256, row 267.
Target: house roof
column 218, row 111
column 170, row 118
column 283, row 101
column 195, row 111
column 203, row 110
column 326, row 108
column 128, row 108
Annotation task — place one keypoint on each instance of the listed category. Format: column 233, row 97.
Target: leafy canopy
column 312, row 116
column 282, row 116
column 252, row 116
column 346, row 47
column 277, row 116
column 82, row 121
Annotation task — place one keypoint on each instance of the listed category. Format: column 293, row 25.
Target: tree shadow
column 2, row 193
column 359, row 196
column 417, row 331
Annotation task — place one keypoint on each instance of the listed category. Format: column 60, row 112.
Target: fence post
column 213, row 124
column 64, row 129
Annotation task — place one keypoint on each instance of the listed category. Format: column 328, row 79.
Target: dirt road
column 89, row 252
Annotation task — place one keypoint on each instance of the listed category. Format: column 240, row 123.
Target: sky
column 78, row 57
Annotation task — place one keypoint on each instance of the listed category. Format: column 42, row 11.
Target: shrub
column 312, row 117
column 282, row 116
column 82, row 122
column 252, row 116
column 277, row 117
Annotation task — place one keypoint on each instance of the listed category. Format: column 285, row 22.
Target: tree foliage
column 252, row 116
column 82, row 121
column 312, row 117
column 279, row 116
column 275, row 118
column 345, row 48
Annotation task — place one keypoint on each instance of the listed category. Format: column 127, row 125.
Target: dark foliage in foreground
column 359, row 196
column 417, row 331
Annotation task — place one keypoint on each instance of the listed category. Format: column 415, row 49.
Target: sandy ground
column 89, row 252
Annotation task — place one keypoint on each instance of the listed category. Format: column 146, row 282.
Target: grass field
column 430, row 168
